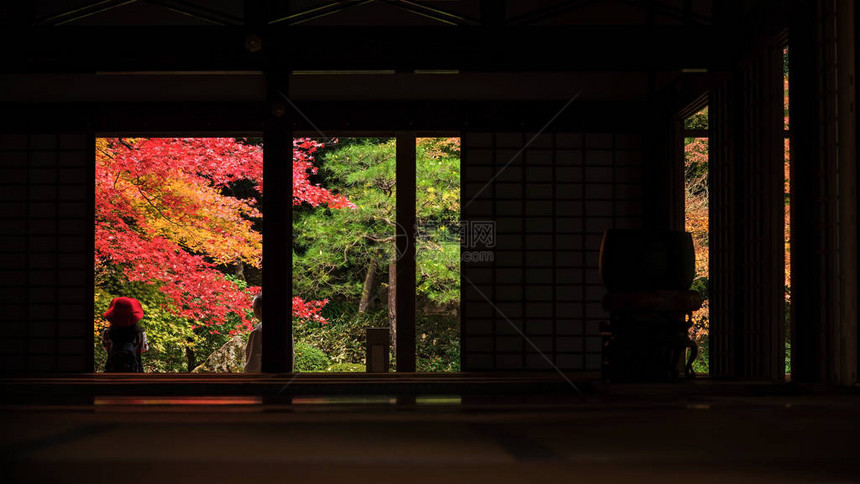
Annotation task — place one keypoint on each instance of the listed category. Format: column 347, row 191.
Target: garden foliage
column 178, row 226
column 177, row 222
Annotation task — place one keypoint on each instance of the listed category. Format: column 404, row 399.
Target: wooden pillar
column 805, row 353
column 277, row 234
column 721, row 231
column 746, row 220
column 405, row 245
column 661, row 181
column 824, row 193
column 856, row 176
column 847, row 331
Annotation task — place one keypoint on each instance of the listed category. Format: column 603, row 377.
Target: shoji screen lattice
column 46, row 208
column 551, row 197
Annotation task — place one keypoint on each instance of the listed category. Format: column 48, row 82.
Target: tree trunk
column 368, row 288
column 190, row 359
column 392, row 303
column 240, row 270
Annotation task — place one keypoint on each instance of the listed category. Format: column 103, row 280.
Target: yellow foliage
column 696, row 203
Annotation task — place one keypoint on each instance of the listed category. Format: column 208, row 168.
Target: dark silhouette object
column 648, row 275
column 633, row 260
column 376, row 354
column 124, row 340
column 254, row 348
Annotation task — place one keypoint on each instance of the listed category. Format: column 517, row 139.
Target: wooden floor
column 692, row 432
column 469, row 385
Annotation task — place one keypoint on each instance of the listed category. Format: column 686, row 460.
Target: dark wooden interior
column 579, row 102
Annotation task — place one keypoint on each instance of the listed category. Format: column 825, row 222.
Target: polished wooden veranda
column 423, row 428
column 513, row 387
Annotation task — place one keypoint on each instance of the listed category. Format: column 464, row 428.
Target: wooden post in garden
column 377, row 347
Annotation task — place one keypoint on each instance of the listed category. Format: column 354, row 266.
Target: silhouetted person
column 124, row 340
column 254, row 348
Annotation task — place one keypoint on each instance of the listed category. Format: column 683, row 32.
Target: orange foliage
column 696, row 201
column 437, row 147
column 787, row 175
column 696, row 219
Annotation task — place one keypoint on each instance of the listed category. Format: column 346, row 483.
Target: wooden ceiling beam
column 100, row 49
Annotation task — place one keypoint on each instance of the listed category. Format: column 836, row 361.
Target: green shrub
column 347, row 368
column 310, row 358
column 702, row 362
column 701, row 286
column 437, row 343
column 343, row 338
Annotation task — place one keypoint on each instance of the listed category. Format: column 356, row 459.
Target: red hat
column 124, row 311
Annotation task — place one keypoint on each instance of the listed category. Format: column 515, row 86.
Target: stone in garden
column 229, row 358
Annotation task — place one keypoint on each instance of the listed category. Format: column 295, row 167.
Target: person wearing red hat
column 124, row 340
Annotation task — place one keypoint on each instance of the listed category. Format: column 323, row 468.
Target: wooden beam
column 683, row 13
column 494, row 13
column 405, row 244
column 16, row 14
column 83, row 11
column 207, row 118
column 294, row 18
column 199, row 12
column 434, row 13
column 550, row 11
column 630, row 48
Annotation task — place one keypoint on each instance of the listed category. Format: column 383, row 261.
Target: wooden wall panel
column 46, row 255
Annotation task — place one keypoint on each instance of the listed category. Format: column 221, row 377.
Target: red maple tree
column 163, row 217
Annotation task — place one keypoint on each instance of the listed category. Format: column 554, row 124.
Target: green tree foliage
column 334, row 251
